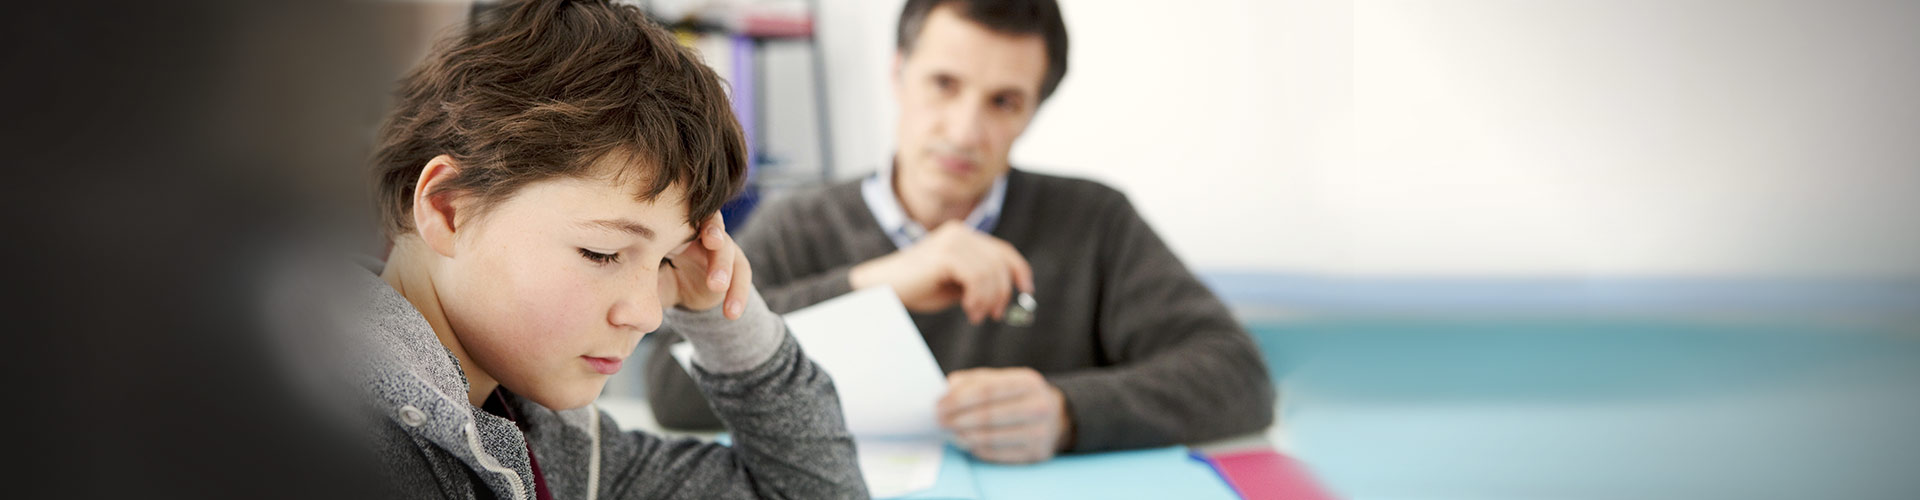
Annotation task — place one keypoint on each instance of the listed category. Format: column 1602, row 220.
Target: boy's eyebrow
column 622, row 225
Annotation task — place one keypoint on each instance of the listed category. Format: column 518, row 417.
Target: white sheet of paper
column 897, row 467
column 887, row 379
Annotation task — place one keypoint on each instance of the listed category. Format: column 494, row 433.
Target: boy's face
column 552, row 289
column 965, row 93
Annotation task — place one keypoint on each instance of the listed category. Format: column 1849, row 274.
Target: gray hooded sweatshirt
column 789, row 438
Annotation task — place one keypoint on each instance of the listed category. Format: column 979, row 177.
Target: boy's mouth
column 606, row 366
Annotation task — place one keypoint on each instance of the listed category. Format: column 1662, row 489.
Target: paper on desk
column 887, row 379
column 895, row 467
column 956, row 479
column 1152, row 473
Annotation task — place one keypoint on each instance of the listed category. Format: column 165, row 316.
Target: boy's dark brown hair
column 542, row 89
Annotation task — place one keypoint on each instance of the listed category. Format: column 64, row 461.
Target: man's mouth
column 955, row 164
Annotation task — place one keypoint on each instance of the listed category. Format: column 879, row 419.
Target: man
column 1125, row 349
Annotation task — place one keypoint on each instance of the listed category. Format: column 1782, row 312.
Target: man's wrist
column 863, row 275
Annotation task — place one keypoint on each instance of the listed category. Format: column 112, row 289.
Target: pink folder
column 1267, row 475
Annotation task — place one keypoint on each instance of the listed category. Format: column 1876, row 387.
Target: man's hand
column 954, row 263
column 1008, row 415
column 709, row 269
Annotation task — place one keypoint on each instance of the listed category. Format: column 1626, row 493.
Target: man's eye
column 1005, row 104
column 600, row 258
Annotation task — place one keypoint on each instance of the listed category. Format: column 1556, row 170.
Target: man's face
column 557, row 275
column 965, row 93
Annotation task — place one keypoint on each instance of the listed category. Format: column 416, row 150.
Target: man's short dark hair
column 1014, row 17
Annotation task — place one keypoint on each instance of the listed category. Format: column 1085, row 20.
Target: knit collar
column 877, row 189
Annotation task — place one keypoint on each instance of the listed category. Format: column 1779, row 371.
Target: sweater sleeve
column 671, row 393
column 789, row 440
column 1184, row 371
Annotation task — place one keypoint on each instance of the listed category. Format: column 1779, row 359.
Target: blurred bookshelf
column 775, row 70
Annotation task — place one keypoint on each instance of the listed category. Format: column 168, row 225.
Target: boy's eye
column 600, row 258
column 666, row 262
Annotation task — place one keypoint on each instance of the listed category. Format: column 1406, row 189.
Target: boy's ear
column 433, row 207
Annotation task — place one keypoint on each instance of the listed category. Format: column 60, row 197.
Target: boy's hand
column 953, row 264
column 709, row 270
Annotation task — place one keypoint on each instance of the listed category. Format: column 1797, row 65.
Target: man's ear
column 899, row 59
column 433, row 206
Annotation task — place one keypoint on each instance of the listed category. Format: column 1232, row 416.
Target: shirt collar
column 877, row 189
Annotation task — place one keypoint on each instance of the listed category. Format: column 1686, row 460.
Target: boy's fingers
column 720, row 268
column 716, row 222
column 737, row 290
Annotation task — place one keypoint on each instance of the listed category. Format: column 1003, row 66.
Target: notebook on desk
column 1267, row 475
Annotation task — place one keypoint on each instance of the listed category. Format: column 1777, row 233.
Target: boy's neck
column 407, row 271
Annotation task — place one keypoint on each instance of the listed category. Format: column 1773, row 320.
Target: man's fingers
column 988, row 287
column 959, row 377
column 999, row 292
column 1020, row 455
column 972, row 292
column 963, row 397
column 1022, row 271
column 1008, row 445
column 990, row 404
column 1002, row 437
column 1018, row 411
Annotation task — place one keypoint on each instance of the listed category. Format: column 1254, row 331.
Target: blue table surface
column 1156, row 473
column 1541, row 407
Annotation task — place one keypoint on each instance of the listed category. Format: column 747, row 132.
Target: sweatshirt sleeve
column 671, row 392
column 1185, row 370
column 789, row 436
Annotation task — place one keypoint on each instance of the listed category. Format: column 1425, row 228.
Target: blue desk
column 1517, row 407
column 1159, row 473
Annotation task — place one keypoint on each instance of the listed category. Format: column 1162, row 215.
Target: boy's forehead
column 635, row 174
column 604, row 198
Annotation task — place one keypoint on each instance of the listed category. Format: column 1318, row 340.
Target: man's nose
column 966, row 126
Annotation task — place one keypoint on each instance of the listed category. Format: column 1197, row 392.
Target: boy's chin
column 568, row 398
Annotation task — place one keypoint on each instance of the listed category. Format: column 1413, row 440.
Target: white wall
column 1409, row 137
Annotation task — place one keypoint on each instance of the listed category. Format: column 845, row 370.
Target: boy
column 550, row 181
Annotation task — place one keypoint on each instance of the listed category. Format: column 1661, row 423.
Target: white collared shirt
column 877, row 189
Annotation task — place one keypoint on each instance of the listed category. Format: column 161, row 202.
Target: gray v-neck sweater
column 1145, row 354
